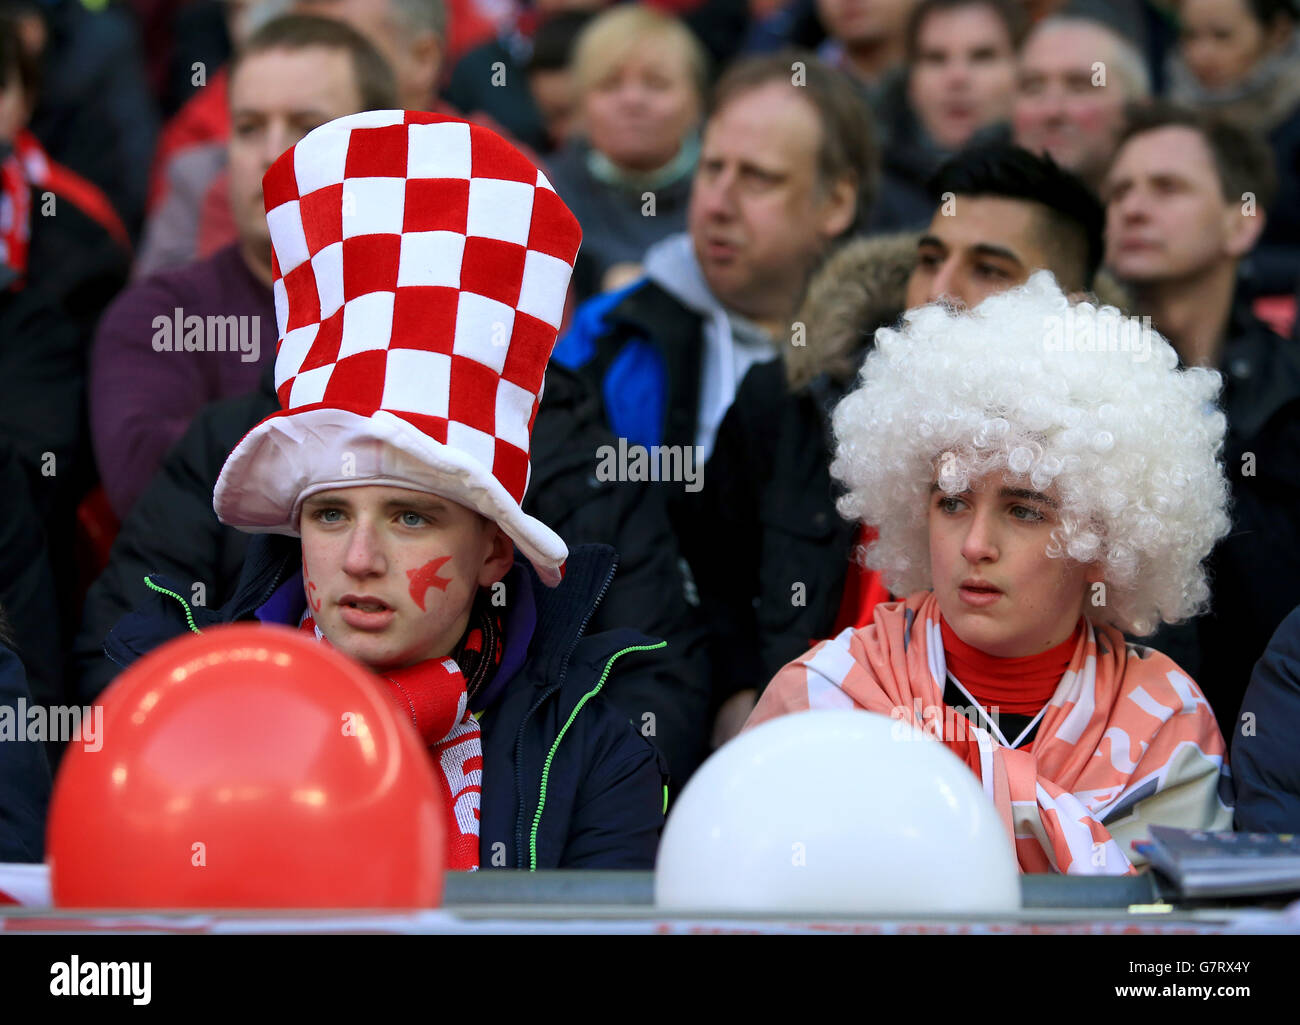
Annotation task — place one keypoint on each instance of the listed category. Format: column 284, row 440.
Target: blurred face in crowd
column 414, row 56
column 759, row 216
column 1166, row 217
column 864, row 22
column 995, row 583
column 1064, row 107
column 13, row 107
column 975, row 247
column 391, row 574
column 277, row 97
column 964, row 74
column 237, row 18
column 545, row 8
column 1222, row 40
column 556, row 97
column 640, row 107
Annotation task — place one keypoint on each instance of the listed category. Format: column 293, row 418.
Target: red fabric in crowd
column 216, row 220
column 863, row 589
column 204, row 117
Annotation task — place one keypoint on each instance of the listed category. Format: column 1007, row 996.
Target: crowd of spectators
column 761, row 186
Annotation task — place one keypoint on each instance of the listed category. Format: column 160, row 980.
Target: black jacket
column 73, row 269
column 1265, row 761
column 567, row 781
column 173, row 530
column 767, row 548
column 24, row 774
column 768, row 494
column 1255, row 570
column 27, row 593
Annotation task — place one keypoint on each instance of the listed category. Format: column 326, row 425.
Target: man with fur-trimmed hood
column 1003, row 213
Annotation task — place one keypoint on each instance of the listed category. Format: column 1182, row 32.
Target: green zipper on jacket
column 189, row 616
column 546, row 767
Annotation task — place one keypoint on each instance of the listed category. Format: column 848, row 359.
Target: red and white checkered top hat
column 421, row 265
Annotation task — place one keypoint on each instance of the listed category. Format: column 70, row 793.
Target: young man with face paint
column 1034, row 502
column 400, row 457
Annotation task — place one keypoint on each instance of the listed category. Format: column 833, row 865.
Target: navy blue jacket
column 567, row 781
column 24, row 773
column 1265, row 762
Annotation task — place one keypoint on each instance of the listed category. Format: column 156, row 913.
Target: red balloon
column 249, row 766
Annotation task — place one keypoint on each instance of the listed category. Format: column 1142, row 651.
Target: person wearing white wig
column 1044, row 477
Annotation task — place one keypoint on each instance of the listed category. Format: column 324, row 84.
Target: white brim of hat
column 292, row 455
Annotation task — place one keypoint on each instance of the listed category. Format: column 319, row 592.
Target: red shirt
column 863, row 589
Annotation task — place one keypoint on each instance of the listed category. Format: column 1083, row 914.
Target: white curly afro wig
column 1051, row 393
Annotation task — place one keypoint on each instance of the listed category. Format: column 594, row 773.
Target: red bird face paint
column 393, row 572
column 426, row 576
column 312, row 598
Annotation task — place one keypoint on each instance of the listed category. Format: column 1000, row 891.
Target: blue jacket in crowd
column 567, row 781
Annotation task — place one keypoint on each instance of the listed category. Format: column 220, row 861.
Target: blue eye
column 326, row 515
column 413, row 519
column 1031, row 515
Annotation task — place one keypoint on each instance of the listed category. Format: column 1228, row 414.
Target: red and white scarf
column 432, row 694
column 15, row 219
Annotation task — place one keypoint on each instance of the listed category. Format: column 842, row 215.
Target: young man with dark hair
column 1186, row 202
column 767, row 490
column 1052, row 212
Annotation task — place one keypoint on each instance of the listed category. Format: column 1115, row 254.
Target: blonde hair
column 608, row 38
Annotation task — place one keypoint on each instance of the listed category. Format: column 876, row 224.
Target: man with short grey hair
column 409, row 33
column 1075, row 78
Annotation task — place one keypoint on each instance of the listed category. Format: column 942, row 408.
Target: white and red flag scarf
column 1127, row 740
column 432, row 694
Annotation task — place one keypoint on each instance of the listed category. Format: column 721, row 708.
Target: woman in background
column 641, row 78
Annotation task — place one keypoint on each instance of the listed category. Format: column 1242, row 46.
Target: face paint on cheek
column 312, row 600
column 425, row 577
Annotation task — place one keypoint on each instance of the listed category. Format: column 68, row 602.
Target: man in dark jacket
column 1265, row 764
column 1186, row 203
column 767, row 489
column 786, row 168
column 172, row 531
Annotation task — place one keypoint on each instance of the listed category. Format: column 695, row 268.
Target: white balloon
column 836, row 811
